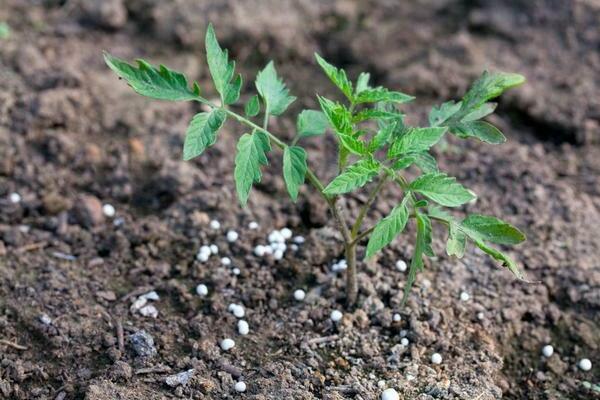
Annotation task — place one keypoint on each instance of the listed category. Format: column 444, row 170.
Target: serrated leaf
column 489, row 86
column 339, row 116
column 273, row 91
column 362, row 83
column 457, row 241
column 372, row 113
column 480, row 112
column 221, row 68
column 375, row 95
column 202, row 132
column 251, row 154
column 491, row 229
column 422, row 248
column 441, row 114
column 294, row 169
column 311, row 123
column 442, row 189
column 352, row 144
column 355, row 176
column 499, row 256
column 481, row 130
column 156, row 82
column 252, row 108
column 381, row 138
column 387, row 229
column 337, row 76
column 425, row 161
column 416, row 140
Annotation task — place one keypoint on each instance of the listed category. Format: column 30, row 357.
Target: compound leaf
column 251, row 154
column 416, row 140
column 337, row 76
column 311, row 123
column 294, row 169
column 489, row 86
column 491, row 229
column 354, row 176
column 442, row 189
column 202, row 132
column 339, row 116
column 273, row 91
column 387, row 229
column 156, row 82
column 221, row 68
column 441, row 114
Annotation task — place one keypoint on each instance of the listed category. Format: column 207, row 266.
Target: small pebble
column 259, row 250
column 236, row 271
column 390, row 394
column 226, row 261
column 14, row 197
column 181, row 378
column 151, row 296
column 547, row 350
column 286, row 233
column 227, row 344
column 299, row 294
column 381, row 384
column 464, row 296
column 45, row 319
column 149, row 311
column 202, row 290
column 253, row 225
column 243, row 327
column 404, row 342
column 109, row 210
column 336, row 316
column 585, row 364
column 232, row 236
column 214, row 224
column 401, row 265
column 436, row 358
column 397, row 318
column 214, row 249
column 294, row 247
column 240, row 387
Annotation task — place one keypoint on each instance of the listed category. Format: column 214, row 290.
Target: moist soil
column 74, row 137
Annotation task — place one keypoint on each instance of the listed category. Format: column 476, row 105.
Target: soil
column 73, row 137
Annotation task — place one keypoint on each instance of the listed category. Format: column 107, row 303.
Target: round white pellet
column 299, row 239
column 294, row 247
column 276, row 237
column 243, row 327
column 236, row 271
column 205, row 249
column 109, row 210
column 253, row 225
column 202, row 257
column 202, row 290
column 240, row 387
column 268, row 249
column 226, row 261
column 585, row 364
column 214, row 249
column 336, row 315
column 227, row 344
column 299, row 294
column 436, row 358
column 480, row 316
column 390, row 394
column 14, row 197
column 259, row 250
column 401, row 265
column 397, row 317
column 286, row 233
column 278, row 254
column 547, row 350
column 214, row 224
column 237, row 310
column 404, row 342
column 464, row 296
column 232, row 236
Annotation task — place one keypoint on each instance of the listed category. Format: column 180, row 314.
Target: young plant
column 365, row 153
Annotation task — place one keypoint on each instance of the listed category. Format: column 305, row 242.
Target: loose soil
column 73, row 137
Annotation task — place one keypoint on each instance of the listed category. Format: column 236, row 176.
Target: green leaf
column 251, row 154
column 491, row 229
column 362, row 83
column 378, row 94
column 294, row 169
column 372, row 113
column 489, row 86
column 423, row 160
column 355, row 176
column 252, row 107
column 416, row 140
column 202, row 132
column 480, row 112
column 158, row 83
column 457, row 241
column 422, row 248
column 481, row 130
column 381, row 138
column 441, row 114
column 338, row 115
column 221, row 68
column 388, row 228
column 273, row 91
column 311, row 123
column 442, row 189
column 503, row 258
column 337, row 76
column 352, row 144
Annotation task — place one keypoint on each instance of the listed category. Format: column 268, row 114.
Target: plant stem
column 362, row 235
column 351, row 280
column 363, row 211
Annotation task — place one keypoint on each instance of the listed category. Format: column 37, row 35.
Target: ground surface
column 73, row 137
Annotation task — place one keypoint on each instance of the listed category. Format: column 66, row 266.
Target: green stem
column 363, row 211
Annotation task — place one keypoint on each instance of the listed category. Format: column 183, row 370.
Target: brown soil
column 73, row 137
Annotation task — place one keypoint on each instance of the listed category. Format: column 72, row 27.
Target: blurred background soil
column 74, row 137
